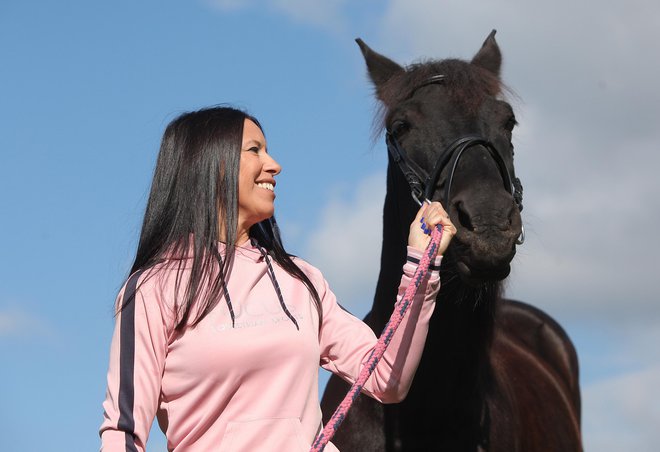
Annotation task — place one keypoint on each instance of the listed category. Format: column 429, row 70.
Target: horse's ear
column 489, row 56
column 381, row 69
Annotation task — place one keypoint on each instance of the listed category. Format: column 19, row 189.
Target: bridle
column 422, row 188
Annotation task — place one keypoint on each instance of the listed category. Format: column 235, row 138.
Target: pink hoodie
column 253, row 387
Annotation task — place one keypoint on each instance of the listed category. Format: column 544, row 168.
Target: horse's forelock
column 466, row 84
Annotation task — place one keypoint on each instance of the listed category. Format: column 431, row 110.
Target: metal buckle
column 521, row 238
column 417, row 194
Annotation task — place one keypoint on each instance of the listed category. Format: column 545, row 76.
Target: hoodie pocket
column 264, row 435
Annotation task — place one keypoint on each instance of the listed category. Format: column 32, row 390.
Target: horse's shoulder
column 538, row 333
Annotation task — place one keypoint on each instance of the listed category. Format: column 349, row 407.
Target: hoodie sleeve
column 137, row 359
column 346, row 342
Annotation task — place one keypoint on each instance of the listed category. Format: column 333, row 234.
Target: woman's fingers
column 434, row 214
column 428, row 217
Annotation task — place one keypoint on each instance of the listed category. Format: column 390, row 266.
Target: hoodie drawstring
column 276, row 285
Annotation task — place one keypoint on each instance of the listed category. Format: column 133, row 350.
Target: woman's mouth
column 266, row 185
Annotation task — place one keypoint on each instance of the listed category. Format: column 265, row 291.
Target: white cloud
column 18, row 322
column 230, row 5
column 623, row 413
column 324, row 14
column 591, row 237
column 346, row 244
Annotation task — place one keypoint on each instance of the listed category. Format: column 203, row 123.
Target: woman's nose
column 271, row 165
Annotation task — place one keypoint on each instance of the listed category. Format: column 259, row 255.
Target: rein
column 400, row 309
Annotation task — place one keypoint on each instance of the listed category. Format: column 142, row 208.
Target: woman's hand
column 428, row 217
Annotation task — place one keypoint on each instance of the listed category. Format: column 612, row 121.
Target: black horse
column 496, row 374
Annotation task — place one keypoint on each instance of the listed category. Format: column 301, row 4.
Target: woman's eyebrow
column 251, row 142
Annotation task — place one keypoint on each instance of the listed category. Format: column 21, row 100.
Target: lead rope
column 400, row 309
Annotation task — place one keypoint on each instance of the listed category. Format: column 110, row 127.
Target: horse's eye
column 399, row 127
column 510, row 123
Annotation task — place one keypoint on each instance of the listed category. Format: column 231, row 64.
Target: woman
column 219, row 332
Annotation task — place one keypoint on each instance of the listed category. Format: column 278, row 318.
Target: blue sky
column 86, row 89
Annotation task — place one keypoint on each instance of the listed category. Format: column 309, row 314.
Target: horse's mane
column 466, row 84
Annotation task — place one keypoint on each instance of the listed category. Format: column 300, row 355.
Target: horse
column 496, row 375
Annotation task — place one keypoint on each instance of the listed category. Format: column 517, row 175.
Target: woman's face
column 256, row 179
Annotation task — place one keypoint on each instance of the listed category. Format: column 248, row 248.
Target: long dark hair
column 195, row 185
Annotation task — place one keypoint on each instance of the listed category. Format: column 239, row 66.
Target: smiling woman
column 256, row 180
column 217, row 323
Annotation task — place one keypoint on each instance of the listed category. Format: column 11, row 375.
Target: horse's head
column 448, row 120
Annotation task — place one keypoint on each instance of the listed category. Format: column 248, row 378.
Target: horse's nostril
column 464, row 218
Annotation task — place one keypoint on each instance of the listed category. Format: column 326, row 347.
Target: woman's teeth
column 265, row 185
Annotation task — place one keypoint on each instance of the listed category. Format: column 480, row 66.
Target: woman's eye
column 254, row 149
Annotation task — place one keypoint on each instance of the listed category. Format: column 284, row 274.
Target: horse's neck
column 463, row 323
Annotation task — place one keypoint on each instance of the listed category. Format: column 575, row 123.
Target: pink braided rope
column 400, row 309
